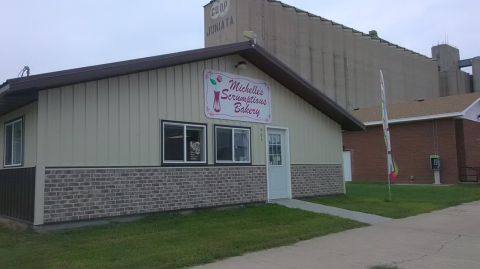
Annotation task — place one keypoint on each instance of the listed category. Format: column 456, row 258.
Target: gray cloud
column 55, row 35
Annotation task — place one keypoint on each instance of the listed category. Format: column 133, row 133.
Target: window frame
column 184, row 162
column 7, row 123
column 232, row 162
column 281, row 148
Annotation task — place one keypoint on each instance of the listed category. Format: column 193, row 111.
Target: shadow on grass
column 168, row 240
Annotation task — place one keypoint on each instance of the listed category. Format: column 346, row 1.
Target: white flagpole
column 386, row 133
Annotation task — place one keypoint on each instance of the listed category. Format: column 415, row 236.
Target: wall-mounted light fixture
column 241, row 65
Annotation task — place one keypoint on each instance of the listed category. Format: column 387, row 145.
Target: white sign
column 233, row 97
column 220, row 9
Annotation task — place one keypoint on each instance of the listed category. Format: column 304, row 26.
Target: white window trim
column 5, row 144
column 233, row 145
column 185, row 125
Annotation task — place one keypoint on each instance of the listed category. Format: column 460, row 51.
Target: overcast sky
column 52, row 35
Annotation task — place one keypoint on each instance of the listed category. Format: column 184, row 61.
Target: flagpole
column 386, row 134
column 388, row 177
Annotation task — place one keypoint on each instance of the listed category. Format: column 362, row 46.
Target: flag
column 392, row 165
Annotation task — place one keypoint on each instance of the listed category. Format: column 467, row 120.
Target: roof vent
column 25, row 70
column 373, row 33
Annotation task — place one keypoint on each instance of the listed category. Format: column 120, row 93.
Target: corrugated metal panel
column 29, row 113
column 296, row 37
column 17, row 192
column 116, row 121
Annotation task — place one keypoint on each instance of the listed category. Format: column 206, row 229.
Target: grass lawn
column 406, row 200
column 169, row 240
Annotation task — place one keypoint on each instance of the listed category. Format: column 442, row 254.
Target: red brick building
column 445, row 126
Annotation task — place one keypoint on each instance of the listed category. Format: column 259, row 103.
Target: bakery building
column 217, row 126
column 444, row 128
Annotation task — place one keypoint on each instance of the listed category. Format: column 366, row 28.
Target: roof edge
column 333, row 105
column 470, row 106
column 420, row 118
column 104, row 71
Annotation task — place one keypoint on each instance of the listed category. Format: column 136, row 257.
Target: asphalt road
column 444, row 239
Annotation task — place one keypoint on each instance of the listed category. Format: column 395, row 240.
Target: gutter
column 412, row 119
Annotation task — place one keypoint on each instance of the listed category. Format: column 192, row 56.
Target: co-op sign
column 219, row 9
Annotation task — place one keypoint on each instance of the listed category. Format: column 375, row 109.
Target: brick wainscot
column 80, row 194
column 96, row 193
column 316, row 180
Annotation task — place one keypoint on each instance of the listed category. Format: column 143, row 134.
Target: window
column 13, row 143
column 275, row 149
column 232, row 145
column 184, row 143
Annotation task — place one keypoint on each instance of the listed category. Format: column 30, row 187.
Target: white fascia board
column 470, row 106
column 429, row 117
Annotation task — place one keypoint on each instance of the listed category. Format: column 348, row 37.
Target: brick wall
column 460, row 143
column 85, row 194
column 471, row 132
column 316, row 180
column 412, row 145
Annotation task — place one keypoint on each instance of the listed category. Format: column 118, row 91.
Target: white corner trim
column 429, row 117
column 470, row 106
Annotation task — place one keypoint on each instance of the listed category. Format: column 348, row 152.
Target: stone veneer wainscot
column 316, row 180
column 77, row 194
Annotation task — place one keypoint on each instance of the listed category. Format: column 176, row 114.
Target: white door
column 278, row 164
column 347, row 166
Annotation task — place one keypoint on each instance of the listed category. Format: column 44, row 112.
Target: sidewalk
column 445, row 239
column 339, row 212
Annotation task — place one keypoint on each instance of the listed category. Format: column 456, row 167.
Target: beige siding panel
column 187, row 93
column 162, row 94
column 170, row 83
column 30, row 120
column 154, row 120
column 53, row 126
column 31, row 130
column 144, row 131
column 134, row 120
column 116, row 122
column 196, row 87
column 41, row 143
column 201, row 93
column 124, row 121
column 178, row 91
column 66, row 123
column 79, row 130
column 102, row 121
column 113, row 121
column 91, row 125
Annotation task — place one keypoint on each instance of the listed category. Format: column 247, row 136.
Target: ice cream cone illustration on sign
column 216, row 101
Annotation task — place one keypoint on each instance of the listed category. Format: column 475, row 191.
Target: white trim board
column 289, row 166
column 438, row 116
column 428, row 117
